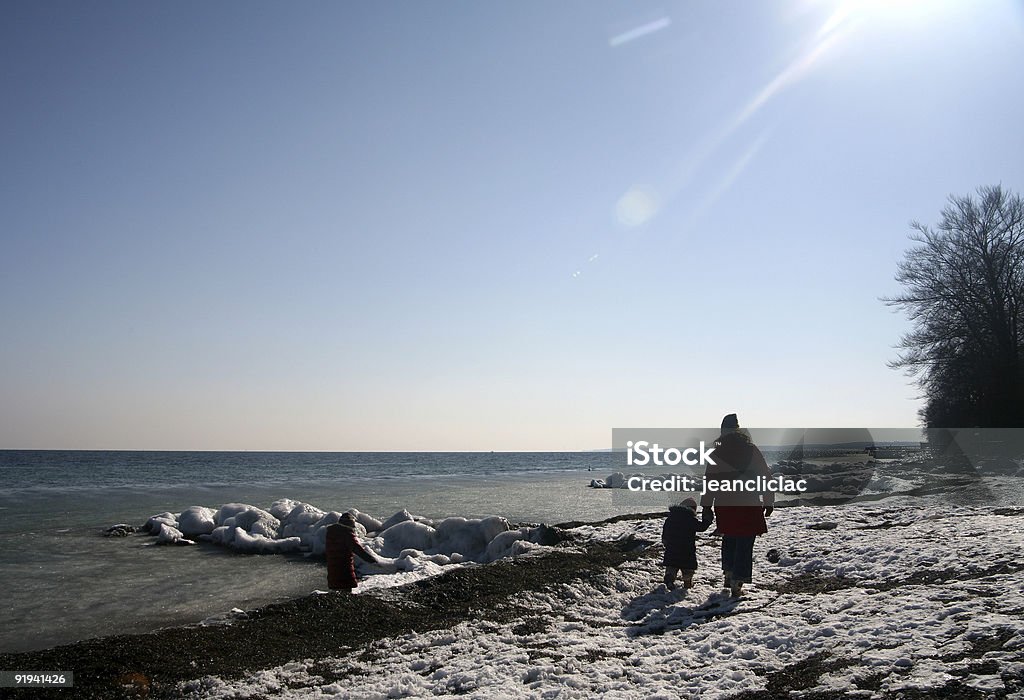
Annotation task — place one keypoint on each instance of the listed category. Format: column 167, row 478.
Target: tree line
column 963, row 292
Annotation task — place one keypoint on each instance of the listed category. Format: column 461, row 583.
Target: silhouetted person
column 342, row 548
column 740, row 514
column 679, row 535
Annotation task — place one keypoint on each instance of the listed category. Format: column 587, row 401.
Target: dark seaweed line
column 312, row 627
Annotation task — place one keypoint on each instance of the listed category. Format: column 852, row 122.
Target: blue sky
column 460, row 226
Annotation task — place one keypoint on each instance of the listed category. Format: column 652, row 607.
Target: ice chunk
column 166, row 534
column 241, row 541
column 300, row 520
column 492, row 526
column 616, row 480
column 222, row 535
column 259, row 544
column 461, row 535
column 229, row 510
column 399, row 517
column 413, row 560
column 368, row 522
column 253, row 520
column 501, row 545
column 153, row 524
column 408, row 534
column 196, row 520
column 282, row 507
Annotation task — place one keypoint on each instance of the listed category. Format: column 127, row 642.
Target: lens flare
column 636, row 207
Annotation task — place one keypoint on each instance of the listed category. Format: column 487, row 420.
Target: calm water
column 66, row 582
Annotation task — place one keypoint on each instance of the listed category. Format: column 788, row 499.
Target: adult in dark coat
column 679, row 535
column 740, row 514
column 342, row 547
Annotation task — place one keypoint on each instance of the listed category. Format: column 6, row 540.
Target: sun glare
column 856, row 11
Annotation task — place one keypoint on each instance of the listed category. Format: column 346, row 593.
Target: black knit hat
column 730, row 422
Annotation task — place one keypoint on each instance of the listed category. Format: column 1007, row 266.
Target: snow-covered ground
column 878, row 597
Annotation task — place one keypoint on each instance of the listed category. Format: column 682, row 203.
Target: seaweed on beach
column 799, row 676
column 815, row 584
column 802, row 675
column 312, row 627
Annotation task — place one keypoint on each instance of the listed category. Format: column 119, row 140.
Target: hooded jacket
column 739, row 513
column 341, row 546
column 679, row 535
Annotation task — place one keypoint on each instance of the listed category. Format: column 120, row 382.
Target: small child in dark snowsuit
column 679, row 535
column 342, row 547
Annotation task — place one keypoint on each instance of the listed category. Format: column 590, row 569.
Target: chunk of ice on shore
column 407, row 534
column 501, row 546
column 465, row 536
column 282, row 507
column 399, row 517
column 460, row 535
column 166, row 534
column 260, row 544
column 153, row 524
column 367, row 521
column 618, row 480
column 253, row 520
column 253, row 543
column 196, row 521
column 300, row 520
column 409, row 547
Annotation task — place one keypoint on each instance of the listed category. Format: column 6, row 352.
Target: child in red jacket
column 342, row 547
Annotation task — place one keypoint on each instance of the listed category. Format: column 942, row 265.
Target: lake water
column 66, row 582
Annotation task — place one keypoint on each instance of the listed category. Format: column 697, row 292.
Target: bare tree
column 964, row 295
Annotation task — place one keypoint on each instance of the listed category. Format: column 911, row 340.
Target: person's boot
column 736, row 588
column 687, row 580
column 728, row 579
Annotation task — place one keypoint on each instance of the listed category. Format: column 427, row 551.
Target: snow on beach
column 868, row 599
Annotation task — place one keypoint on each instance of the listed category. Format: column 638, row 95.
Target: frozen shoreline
column 864, row 600
column 69, row 583
column 73, row 584
column 903, row 594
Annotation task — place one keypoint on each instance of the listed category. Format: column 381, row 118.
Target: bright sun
column 877, row 10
